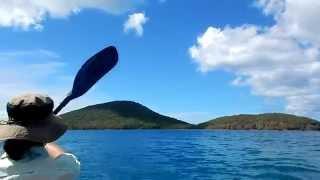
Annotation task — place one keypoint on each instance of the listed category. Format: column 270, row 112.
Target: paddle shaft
column 62, row 105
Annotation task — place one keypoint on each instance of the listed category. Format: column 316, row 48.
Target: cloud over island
column 281, row 61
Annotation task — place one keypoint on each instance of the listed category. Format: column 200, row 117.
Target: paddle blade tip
column 112, row 50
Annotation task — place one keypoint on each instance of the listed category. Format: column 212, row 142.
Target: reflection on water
column 195, row 154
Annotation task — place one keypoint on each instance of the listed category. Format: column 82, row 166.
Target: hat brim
column 45, row 132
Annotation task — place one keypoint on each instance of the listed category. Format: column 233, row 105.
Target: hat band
column 16, row 122
column 3, row 122
column 12, row 121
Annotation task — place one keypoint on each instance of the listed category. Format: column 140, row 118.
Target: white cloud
column 282, row 61
column 30, row 13
column 297, row 19
column 135, row 23
column 39, row 71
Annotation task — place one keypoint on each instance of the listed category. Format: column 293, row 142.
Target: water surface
column 195, row 154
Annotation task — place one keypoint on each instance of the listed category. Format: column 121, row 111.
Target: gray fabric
column 38, row 165
column 30, row 99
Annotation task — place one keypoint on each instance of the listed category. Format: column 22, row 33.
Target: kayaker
column 29, row 149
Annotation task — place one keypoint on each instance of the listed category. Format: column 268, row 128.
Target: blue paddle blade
column 90, row 72
column 93, row 70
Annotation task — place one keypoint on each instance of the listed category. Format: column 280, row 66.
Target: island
column 120, row 115
column 133, row 115
column 266, row 121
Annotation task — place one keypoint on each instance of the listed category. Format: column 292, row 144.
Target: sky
column 192, row 60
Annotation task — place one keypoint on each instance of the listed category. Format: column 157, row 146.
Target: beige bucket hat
column 31, row 118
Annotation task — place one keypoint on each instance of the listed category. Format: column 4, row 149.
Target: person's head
column 31, row 123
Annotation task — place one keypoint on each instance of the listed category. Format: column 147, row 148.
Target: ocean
column 195, row 154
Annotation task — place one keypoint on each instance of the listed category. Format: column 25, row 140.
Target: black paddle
column 90, row 72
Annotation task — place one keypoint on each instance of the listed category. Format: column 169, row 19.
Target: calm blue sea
column 195, row 154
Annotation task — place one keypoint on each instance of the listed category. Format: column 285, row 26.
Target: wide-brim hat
column 31, row 118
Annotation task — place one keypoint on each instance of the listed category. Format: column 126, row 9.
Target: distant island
column 120, row 115
column 267, row 121
column 132, row 115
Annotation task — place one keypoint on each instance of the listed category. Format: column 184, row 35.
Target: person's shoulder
column 68, row 161
column 5, row 161
column 5, row 164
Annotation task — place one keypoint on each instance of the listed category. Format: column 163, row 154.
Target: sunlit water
column 195, row 154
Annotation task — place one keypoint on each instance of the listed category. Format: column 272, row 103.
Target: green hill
column 120, row 115
column 268, row 121
column 132, row 115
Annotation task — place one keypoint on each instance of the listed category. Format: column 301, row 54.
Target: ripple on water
column 194, row 154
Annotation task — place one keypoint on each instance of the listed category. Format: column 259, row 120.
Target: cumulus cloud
column 27, row 14
column 297, row 19
column 281, row 61
column 135, row 23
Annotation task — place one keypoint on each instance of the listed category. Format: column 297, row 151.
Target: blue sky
column 194, row 60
